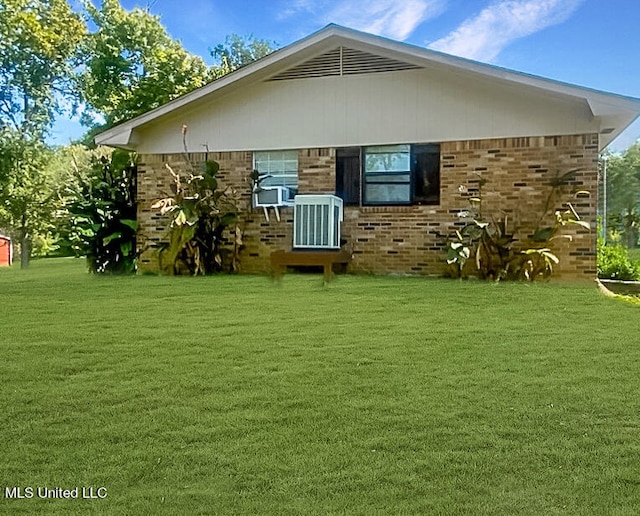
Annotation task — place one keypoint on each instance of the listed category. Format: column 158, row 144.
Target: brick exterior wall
column 407, row 239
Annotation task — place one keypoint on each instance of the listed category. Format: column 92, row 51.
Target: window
column 389, row 175
column 280, row 168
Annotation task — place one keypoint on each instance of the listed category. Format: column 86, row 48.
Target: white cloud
column 484, row 36
column 389, row 18
column 296, row 7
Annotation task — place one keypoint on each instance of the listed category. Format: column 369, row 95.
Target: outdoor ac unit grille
column 316, row 221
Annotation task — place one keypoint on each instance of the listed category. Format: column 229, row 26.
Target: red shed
column 6, row 251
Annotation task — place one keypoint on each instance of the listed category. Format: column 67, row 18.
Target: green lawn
column 231, row 395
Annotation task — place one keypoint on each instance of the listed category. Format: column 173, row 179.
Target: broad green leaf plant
column 200, row 213
column 491, row 240
column 103, row 218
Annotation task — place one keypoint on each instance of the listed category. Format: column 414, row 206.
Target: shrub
column 200, row 213
column 490, row 240
column 104, row 216
column 614, row 263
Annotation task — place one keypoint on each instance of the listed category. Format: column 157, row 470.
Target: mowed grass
column 371, row 395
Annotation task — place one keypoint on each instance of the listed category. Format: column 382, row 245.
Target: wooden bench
column 326, row 259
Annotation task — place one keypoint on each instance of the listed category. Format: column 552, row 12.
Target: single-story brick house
column 394, row 131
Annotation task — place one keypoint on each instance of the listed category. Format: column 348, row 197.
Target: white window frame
column 280, row 168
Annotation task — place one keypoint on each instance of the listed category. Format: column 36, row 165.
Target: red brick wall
column 408, row 239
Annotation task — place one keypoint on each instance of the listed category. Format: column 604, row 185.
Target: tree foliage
column 38, row 43
column 238, row 51
column 132, row 65
column 28, row 193
column 623, row 195
column 72, row 168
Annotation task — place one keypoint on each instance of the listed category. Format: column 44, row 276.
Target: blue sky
column 586, row 42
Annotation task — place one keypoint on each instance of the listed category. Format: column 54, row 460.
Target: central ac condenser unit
column 316, row 221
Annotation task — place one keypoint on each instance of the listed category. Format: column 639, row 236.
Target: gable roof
column 336, row 50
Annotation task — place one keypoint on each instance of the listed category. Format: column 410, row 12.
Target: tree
column 38, row 42
column 71, row 168
column 132, row 65
column 27, row 195
column 623, row 193
column 238, row 51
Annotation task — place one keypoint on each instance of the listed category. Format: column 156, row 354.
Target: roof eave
column 603, row 105
column 119, row 135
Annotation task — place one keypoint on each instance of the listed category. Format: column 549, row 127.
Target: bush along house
column 383, row 150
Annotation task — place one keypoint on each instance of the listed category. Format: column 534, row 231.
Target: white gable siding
column 394, row 107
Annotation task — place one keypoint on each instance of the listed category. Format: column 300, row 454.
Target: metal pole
column 604, row 197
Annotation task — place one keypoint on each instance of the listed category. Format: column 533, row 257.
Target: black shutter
column 426, row 174
column 348, row 171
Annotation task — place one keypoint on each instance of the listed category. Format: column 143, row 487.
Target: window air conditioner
column 316, row 221
column 271, row 196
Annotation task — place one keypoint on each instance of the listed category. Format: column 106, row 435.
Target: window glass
column 388, row 178
column 388, row 158
column 281, row 168
column 387, row 174
column 388, row 193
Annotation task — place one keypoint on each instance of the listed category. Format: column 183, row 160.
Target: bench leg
column 277, row 270
column 328, row 272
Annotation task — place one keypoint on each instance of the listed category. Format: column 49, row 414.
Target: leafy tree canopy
column 623, row 194
column 38, row 40
column 623, row 179
column 28, row 199
column 38, row 43
column 238, row 51
column 132, row 65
